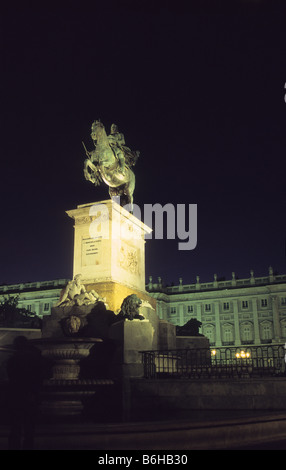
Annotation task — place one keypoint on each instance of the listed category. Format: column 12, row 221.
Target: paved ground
column 233, row 430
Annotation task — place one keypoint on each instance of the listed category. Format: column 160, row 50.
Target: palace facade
column 235, row 312
column 37, row 297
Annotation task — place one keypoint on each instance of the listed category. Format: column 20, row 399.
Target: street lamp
column 242, row 355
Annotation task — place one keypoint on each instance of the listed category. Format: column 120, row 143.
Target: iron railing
column 252, row 361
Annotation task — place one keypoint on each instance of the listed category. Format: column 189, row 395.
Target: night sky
column 200, row 92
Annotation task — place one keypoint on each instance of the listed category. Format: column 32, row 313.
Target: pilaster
column 255, row 322
column 276, row 320
column 217, row 325
column 237, row 338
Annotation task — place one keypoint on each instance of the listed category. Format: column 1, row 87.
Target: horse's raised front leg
column 88, row 165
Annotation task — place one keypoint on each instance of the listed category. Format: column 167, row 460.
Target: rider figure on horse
column 111, row 162
column 117, row 141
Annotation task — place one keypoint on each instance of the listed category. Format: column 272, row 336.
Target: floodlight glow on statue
column 111, row 162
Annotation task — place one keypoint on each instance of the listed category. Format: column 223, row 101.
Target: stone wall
column 192, row 342
column 168, row 398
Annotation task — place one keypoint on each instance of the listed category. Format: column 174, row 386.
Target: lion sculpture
column 71, row 325
column 130, row 308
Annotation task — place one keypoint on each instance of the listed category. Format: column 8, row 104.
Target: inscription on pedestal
column 91, row 252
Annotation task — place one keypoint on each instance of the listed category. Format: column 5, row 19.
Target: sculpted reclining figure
column 75, row 294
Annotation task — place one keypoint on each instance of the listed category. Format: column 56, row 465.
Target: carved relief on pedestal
column 128, row 259
column 84, row 220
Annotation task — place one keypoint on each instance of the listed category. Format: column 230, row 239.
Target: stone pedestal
column 52, row 325
column 192, row 342
column 116, row 292
column 109, row 251
column 164, row 332
column 167, row 335
column 130, row 337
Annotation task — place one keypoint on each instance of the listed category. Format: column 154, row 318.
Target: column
column 162, row 310
column 217, row 325
column 257, row 339
column 181, row 315
column 276, row 321
column 159, row 309
column 199, row 311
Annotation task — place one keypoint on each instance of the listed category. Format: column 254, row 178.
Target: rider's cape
column 130, row 157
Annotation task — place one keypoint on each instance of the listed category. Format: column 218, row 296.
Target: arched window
column 209, row 332
column 246, row 332
column 266, row 330
column 227, row 334
column 283, row 329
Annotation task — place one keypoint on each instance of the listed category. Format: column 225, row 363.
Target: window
column 245, row 304
column 283, row 301
column 266, row 333
column 173, row 310
column 283, row 329
column 226, row 305
column 46, row 307
column 227, row 334
column 246, row 332
column 207, row 307
column 209, row 332
column 190, row 308
column 263, row 302
column 29, row 307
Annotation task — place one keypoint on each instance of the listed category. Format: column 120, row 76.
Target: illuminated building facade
column 233, row 312
column 37, row 297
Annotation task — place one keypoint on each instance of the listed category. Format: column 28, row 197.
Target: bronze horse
column 110, row 162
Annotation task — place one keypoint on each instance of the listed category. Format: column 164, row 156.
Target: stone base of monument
column 167, row 335
column 110, row 257
column 52, row 325
column 192, row 342
column 115, row 292
column 164, row 336
column 130, row 337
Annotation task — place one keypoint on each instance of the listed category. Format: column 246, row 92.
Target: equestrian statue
column 111, row 163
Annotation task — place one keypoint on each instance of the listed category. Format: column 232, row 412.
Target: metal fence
column 253, row 361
